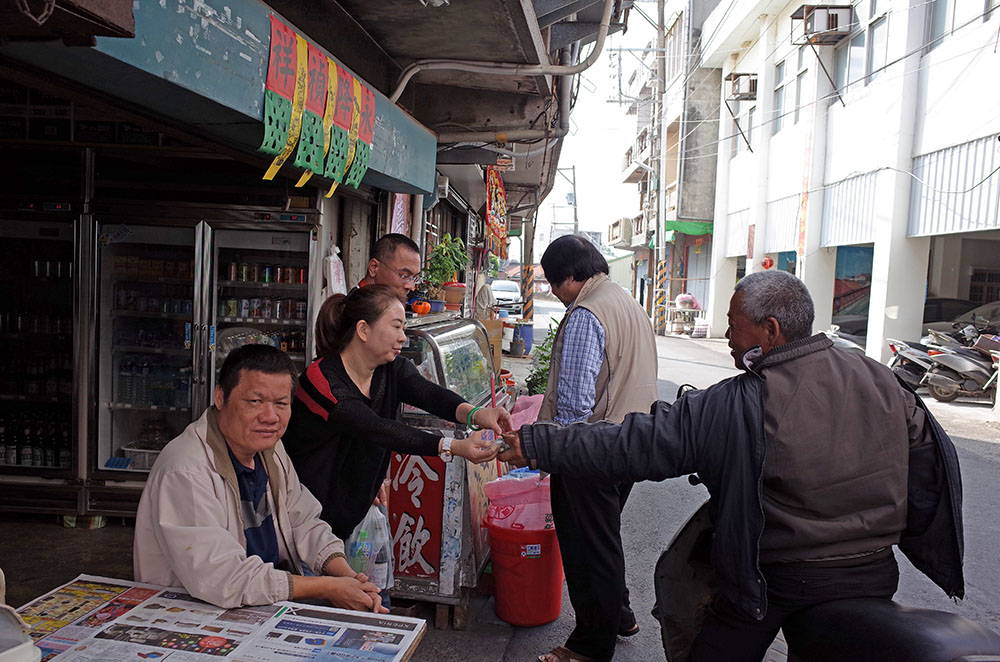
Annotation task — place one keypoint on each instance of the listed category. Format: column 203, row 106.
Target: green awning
column 689, row 227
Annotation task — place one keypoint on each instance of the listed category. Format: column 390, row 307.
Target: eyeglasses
column 404, row 276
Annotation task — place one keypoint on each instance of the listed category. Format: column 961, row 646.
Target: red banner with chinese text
column 416, row 504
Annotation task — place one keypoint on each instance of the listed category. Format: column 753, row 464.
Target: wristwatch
column 445, row 453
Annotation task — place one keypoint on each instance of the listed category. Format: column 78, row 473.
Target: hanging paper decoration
column 312, row 102
column 366, row 134
column 285, row 94
column 496, row 213
column 312, row 141
column 340, row 135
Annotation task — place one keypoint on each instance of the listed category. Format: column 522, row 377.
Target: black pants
column 587, row 516
column 727, row 636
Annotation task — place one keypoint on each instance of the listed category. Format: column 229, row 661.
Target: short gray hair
column 780, row 295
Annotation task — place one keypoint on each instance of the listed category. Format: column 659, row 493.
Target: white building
column 863, row 135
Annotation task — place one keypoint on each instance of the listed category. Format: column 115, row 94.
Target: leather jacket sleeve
column 652, row 446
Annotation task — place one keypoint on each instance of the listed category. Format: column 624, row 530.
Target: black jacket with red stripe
column 341, row 441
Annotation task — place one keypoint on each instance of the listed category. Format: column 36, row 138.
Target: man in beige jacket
column 223, row 513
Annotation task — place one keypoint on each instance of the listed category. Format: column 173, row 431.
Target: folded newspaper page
column 94, row 619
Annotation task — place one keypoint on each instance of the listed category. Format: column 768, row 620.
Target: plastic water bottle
column 141, row 383
column 361, row 551
column 125, row 382
column 380, row 573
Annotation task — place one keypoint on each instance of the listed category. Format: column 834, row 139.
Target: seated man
column 817, row 461
column 223, row 513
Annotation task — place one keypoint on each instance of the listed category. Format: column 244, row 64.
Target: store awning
column 689, row 227
column 206, row 68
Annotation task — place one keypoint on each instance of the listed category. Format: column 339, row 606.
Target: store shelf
column 18, row 335
column 139, row 313
column 10, row 397
column 152, row 279
column 166, row 351
column 261, row 321
column 127, row 406
column 253, row 285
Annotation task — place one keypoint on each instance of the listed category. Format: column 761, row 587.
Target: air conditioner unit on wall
column 443, row 187
column 743, row 87
column 821, row 25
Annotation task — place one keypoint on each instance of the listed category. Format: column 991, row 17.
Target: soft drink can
column 244, row 308
column 243, row 272
column 232, row 271
column 254, row 307
column 267, row 274
column 300, row 310
column 254, row 274
column 291, row 275
column 267, row 308
column 280, row 309
column 279, row 273
column 230, row 308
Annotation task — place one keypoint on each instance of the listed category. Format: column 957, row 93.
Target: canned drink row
column 265, row 308
column 256, row 272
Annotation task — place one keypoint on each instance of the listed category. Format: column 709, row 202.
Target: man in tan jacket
column 603, row 367
column 223, row 513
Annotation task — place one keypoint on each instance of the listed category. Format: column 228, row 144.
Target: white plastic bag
column 369, row 548
column 333, row 269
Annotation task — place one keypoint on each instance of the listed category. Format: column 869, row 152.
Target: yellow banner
column 352, row 140
column 298, row 103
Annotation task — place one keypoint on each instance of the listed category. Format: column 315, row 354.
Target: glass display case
column 436, row 509
column 453, row 353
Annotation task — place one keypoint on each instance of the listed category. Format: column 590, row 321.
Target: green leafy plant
column 493, row 269
column 446, row 259
column 538, row 378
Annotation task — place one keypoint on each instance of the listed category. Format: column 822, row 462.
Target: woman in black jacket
column 344, row 426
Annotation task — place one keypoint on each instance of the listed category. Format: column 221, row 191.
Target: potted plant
column 446, row 259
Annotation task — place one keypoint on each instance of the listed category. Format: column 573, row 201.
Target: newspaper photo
column 94, row 618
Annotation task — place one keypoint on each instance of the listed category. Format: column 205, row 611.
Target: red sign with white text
column 416, row 503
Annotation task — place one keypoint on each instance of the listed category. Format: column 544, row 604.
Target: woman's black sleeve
column 416, row 390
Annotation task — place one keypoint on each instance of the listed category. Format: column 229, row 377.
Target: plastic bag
column 520, row 503
column 333, row 269
column 369, row 548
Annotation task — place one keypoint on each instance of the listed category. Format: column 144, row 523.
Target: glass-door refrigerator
column 173, row 301
column 147, row 329
column 259, row 284
column 36, row 366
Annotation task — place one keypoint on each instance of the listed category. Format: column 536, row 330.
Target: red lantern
column 767, row 262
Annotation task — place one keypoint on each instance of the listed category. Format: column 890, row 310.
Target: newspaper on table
column 98, row 619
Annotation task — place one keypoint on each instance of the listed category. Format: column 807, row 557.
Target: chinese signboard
column 415, row 501
column 496, row 213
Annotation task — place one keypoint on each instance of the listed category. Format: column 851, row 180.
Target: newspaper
column 94, row 619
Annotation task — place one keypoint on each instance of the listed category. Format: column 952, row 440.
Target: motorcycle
column 858, row 629
column 962, row 373
column 910, row 360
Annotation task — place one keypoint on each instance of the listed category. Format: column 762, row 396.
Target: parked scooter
column 859, row 629
column 910, row 360
column 962, row 374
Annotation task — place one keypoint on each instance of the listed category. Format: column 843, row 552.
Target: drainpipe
column 506, row 68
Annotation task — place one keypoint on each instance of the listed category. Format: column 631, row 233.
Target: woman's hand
column 474, row 449
column 494, row 418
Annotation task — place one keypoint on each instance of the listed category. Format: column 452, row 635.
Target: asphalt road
column 656, row 510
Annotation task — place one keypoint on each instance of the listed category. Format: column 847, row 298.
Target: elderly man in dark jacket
column 817, row 461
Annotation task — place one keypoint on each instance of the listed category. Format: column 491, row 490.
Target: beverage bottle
column 141, row 383
column 52, row 377
column 380, row 573
column 65, row 452
column 360, row 552
column 125, row 378
column 26, row 448
column 31, row 385
column 11, row 432
column 3, row 444
column 36, row 447
column 49, row 452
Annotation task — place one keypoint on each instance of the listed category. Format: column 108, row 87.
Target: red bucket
column 528, row 573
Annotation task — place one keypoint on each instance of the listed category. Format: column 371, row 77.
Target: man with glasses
column 395, row 262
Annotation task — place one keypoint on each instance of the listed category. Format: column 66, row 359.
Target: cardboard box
column 494, row 332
